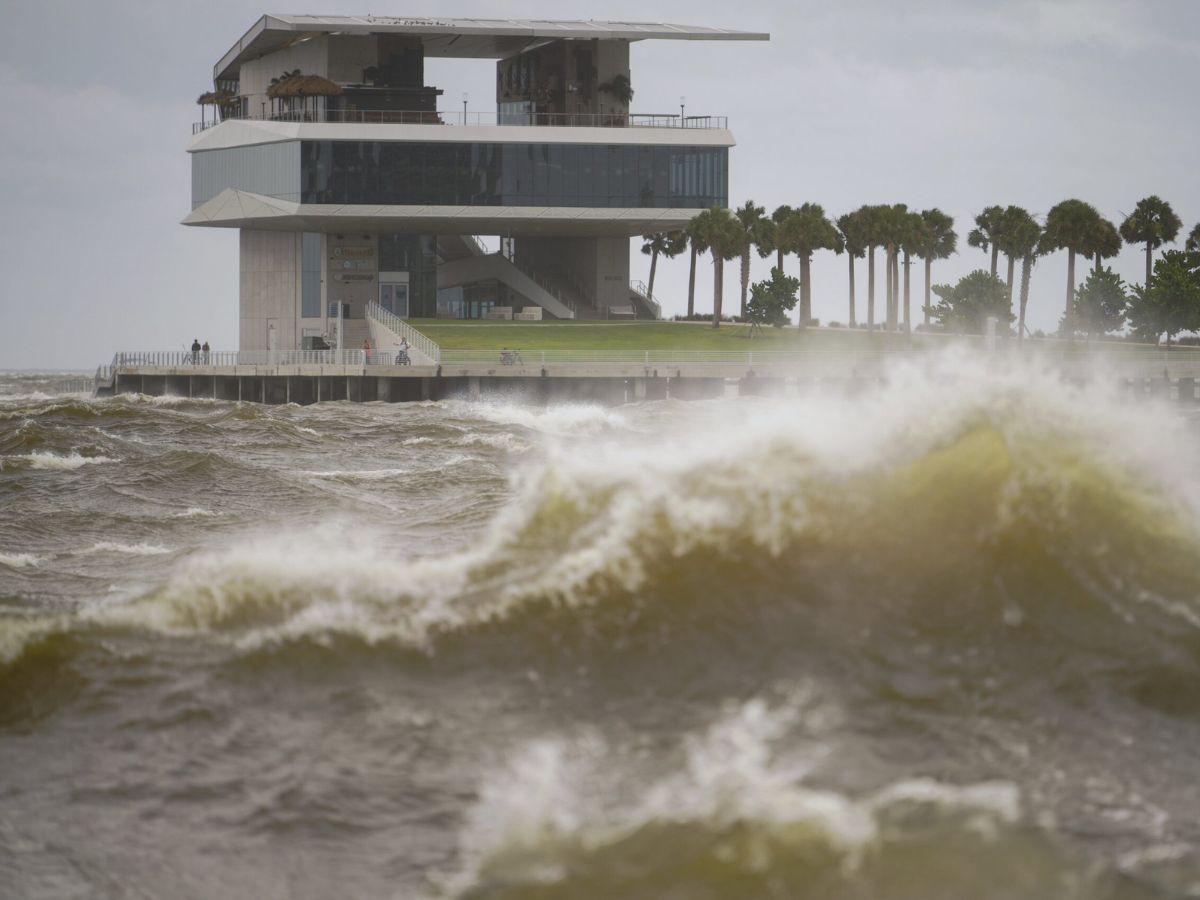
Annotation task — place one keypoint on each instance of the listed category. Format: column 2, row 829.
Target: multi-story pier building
column 357, row 190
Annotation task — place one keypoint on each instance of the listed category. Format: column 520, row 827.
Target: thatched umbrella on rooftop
column 219, row 100
column 303, row 87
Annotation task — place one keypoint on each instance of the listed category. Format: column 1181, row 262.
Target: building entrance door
column 393, row 293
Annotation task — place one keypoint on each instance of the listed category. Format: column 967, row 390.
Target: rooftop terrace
column 461, row 117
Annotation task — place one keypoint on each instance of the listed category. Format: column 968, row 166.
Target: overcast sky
column 951, row 104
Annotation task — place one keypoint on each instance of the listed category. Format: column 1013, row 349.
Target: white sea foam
column 509, row 443
column 54, row 462
column 558, row 419
column 21, row 560
column 140, row 549
column 195, row 512
column 357, row 474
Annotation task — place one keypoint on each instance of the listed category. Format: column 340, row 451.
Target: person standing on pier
column 195, row 351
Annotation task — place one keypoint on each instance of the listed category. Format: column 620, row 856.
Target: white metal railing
column 400, row 328
column 459, row 117
column 226, row 358
column 639, row 287
column 1132, row 362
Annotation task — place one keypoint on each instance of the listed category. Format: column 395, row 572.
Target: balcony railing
column 461, row 117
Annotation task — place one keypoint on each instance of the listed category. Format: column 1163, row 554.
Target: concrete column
column 474, row 391
column 425, row 389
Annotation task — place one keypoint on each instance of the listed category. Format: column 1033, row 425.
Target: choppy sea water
column 938, row 641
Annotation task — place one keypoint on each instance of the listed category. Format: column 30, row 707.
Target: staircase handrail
column 639, row 287
column 396, row 325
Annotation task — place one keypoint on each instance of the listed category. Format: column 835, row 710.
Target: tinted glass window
column 452, row 174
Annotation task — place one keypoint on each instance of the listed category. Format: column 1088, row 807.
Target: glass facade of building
column 415, row 254
column 491, row 174
column 311, row 249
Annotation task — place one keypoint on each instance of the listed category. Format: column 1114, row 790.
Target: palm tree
column 723, row 236
column 1152, row 223
column 1070, row 226
column 891, row 222
column 1014, row 226
column 912, row 239
column 805, row 231
column 772, row 233
column 853, row 228
column 938, row 241
column 871, row 220
column 664, row 243
column 756, row 232
column 1022, row 237
column 988, row 227
column 1192, row 244
column 698, row 243
column 1106, row 241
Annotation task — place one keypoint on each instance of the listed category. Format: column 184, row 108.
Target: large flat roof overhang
column 463, row 38
column 241, row 209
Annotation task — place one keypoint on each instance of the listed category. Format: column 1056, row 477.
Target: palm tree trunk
column 779, row 258
column 1149, row 262
column 896, row 289
column 995, row 258
column 805, row 290
column 718, row 279
column 870, row 288
column 894, row 308
column 1011, row 264
column 1070, row 287
column 907, row 294
column 887, row 289
column 850, row 256
column 745, row 278
column 692, row 285
column 1026, row 267
column 653, row 267
column 928, row 275
column 1097, row 263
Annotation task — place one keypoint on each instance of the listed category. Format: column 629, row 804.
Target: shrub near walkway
column 626, row 336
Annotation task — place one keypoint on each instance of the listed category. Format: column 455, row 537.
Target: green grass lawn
column 625, row 336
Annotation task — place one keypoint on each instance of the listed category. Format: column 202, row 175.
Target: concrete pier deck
column 613, row 378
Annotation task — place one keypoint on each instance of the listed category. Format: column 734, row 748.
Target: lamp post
column 464, row 107
column 682, row 117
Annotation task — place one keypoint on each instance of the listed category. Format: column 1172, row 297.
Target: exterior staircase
column 354, row 332
column 539, row 291
column 387, row 331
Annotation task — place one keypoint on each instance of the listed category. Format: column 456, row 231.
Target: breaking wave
column 1009, row 506
column 740, row 817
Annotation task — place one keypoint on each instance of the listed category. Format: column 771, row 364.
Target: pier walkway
column 432, row 373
